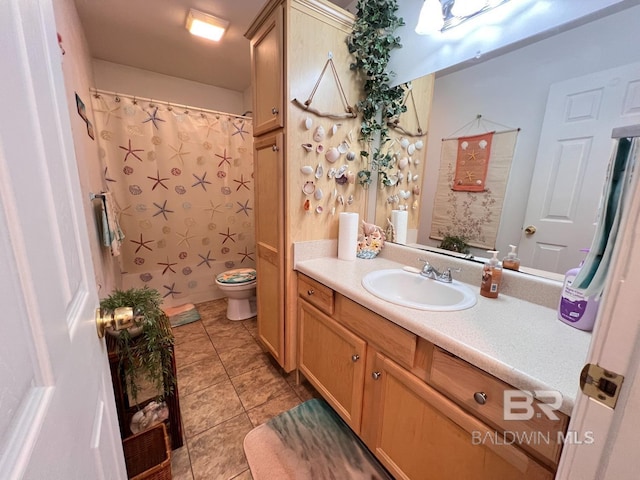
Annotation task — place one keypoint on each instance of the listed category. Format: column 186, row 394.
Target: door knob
column 355, row 357
column 119, row 319
column 530, row 230
column 376, row 375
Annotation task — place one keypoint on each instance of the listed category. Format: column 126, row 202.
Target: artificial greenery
column 371, row 42
column 455, row 243
column 150, row 356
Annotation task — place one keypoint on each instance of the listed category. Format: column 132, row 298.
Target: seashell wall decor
column 308, row 123
column 332, row 155
column 318, row 135
column 309, row 187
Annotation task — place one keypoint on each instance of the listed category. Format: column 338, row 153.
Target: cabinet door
column 269, row 201
column 332, row 359
column 267, row 73
column 419, row 434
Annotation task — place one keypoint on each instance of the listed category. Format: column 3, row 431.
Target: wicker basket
column 148, row 454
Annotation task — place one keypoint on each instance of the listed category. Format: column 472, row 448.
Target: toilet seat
column 237, row 276
column 239, row 285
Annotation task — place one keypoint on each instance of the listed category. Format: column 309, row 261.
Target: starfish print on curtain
column 153, row 118
column 158, row 181
column 131, row 151
column 239, row 129
column 225, row 159
column 185, row 183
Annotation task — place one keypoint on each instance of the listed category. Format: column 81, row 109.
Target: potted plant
column 454, row 243
column 144, row 351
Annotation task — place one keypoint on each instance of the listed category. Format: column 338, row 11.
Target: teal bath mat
column 309, row 442
column 182, row 314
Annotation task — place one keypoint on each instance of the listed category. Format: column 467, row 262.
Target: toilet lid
column 239, row 275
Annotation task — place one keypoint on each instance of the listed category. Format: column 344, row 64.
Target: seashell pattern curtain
column 183, row 187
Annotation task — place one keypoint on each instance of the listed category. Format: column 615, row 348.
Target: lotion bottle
column 511, row 261
column 491, row 276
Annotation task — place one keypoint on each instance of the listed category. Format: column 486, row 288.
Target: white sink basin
column 415, row 291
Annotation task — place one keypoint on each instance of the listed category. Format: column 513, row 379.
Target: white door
column 573, row 154
column 57, row 412
column 606, row 440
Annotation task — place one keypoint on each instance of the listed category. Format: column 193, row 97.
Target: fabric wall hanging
column 473, row 215
column 472, row 162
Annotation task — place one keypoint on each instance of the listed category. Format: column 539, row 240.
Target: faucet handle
column 446, row 275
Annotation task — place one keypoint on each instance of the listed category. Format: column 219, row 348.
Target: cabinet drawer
column 468, row 385
column 316, row 294
column 393, row 340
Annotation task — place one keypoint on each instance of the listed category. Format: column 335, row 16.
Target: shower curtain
column 182, row 181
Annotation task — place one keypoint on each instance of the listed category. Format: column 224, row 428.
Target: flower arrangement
column 370, row 241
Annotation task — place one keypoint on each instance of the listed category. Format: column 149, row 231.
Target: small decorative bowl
column 367, row 253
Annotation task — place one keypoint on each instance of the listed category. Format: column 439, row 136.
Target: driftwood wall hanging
column 395, row 124
column 306, row 105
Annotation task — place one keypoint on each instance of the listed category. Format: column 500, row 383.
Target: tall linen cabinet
column 292, row 43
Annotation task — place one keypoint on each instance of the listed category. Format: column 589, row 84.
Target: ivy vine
column 371, row 43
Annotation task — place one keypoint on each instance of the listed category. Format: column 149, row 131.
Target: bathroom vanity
column 426, row 390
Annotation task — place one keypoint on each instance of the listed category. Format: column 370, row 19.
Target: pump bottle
column 511, row 261
column 491, row 276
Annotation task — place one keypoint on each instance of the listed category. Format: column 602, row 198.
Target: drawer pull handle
column 275, row 111
column 355, row 358
column 376, row 375
column 311, row 291
column 480, row 397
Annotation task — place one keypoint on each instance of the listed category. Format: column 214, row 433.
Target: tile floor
column 227, row 386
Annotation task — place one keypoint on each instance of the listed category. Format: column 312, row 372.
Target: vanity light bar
column 454, row 20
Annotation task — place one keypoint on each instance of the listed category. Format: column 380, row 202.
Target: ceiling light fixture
column 205, row 25
column 440, row 15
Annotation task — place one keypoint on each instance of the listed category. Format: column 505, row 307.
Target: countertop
column 522, row 343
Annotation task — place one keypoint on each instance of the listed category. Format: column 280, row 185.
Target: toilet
column 239, row 285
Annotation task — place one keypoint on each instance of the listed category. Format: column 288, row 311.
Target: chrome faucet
column 430, row 271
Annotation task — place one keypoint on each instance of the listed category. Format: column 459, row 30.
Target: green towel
column 593, row 273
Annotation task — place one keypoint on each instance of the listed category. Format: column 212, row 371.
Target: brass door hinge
column 600, row 384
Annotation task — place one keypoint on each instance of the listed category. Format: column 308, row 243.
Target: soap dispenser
column 511, row 261
column 491, row 276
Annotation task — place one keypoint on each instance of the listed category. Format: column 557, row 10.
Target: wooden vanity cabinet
column 333, row 360
column 268, row 165
column 483, row 395
column 378, row 377
column 290, row 41
column 417, row 433
column 267, row 73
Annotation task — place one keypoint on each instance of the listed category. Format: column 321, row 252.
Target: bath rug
column 182, row 314
column 309, row 442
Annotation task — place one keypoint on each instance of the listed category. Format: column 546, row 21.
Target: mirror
column 510, row 90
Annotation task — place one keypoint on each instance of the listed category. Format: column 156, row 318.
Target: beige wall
column 135, row 81
column 78, row 75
